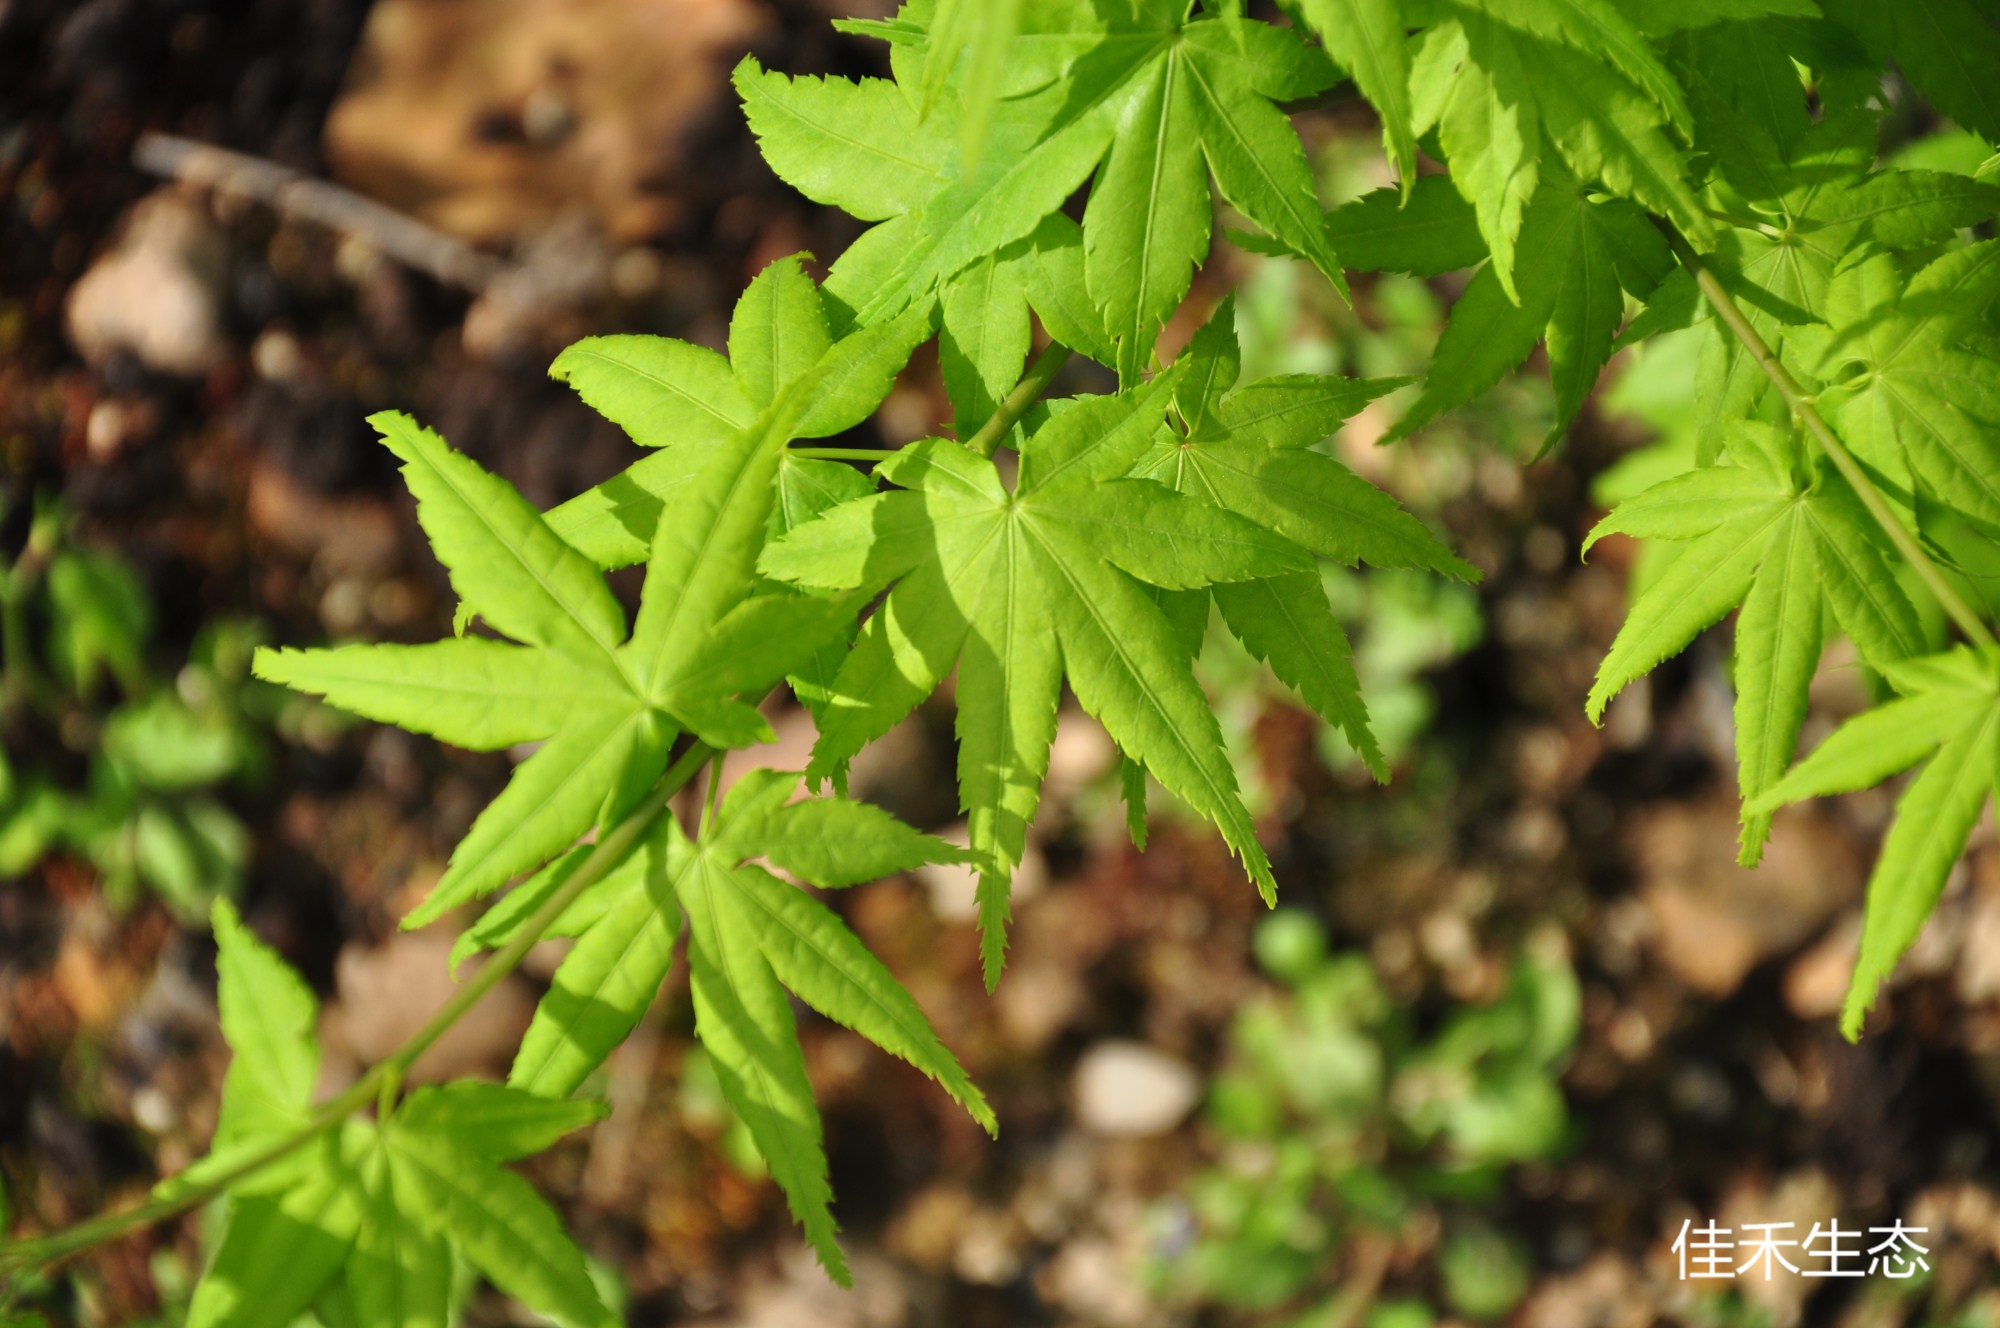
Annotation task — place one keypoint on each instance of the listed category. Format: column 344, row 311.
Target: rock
column 488, row 120
column 385, row 994
column 159, row 292
column 1713, row 921
column 1607, row 1292
column 801, row 1296
column 1038, row 1000
column 1130, row 1090
column 1096, row 1281
column 1979, row 960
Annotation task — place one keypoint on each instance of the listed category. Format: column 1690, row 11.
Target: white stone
column 158, row 293
column 1130, row 1090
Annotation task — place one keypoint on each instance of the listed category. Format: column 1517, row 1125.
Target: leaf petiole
column 1033, row 383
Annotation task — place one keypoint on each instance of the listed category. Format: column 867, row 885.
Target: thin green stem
column 839, row 453
column 1804, row 407
column 609, row 850
column 1033, row 383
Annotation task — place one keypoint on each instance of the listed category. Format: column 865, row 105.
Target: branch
column 1804, row 405
column 385, row 1075
column 400, row 236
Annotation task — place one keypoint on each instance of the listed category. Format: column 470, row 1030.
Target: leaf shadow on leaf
column 287, row 1261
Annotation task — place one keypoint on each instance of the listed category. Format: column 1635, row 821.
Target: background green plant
column 1341, row 1121
column 146, row 755
column 1715, row 165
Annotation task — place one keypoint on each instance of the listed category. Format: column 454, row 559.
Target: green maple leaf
column 360, row 1223
column 1152, row 102
column 1913, row 393
column 1947, row 48
column 1427, row 230
column 1792, row 544
column 684, row 400
column 1822, row 204
column 605, row 708
column 1371, row 41
column 978, row 34
column 1580, row 257
column 1503, row 82
column 1251, row 449
column 1020, row 588
column 1948, row 718
column 749, row 937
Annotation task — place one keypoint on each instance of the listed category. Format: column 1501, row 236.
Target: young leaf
column 1152, row 102
column 500, row 1124
column 1787, row 542
column 399, row 1273
column 1921, row 411
column 1578, row 259
column 750, row 936
column 659, row 390
column 858, row 145
column 1252, row 450
column 1502, row 81
column 1427, row 231
column 604, row 984
column 1255, row 452
column 609, row 711
column 815, row 386
column 981, row 574
column 1038, row 149
column 1948, row 718
column 505, row 563
column 981, row 33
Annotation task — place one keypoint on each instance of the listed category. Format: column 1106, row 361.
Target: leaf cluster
column 1042, row 178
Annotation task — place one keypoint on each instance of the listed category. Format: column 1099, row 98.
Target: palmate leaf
column 750, row 937
column 1579, row 258
column 365, row 1217
column 1504, row 82
column 1020, row 589
column 687, row 400
column 1153, row 103
column 1790, row 543
column 1948, row 718
column 706, row 633
column 1912, row 396
column 1823, row 205
column 1252, row 450
column 986, row 333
